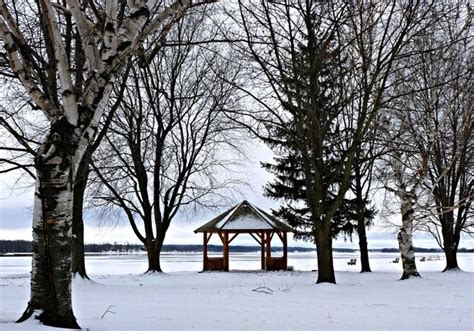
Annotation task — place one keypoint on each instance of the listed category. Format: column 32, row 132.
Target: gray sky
column 16, row 216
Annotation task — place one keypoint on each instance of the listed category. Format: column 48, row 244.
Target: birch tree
column 447, row 72
column 68, row 75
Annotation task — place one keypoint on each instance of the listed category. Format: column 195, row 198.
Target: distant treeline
column 23, row 246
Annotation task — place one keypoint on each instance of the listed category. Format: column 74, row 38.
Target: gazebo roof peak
column 244, row 217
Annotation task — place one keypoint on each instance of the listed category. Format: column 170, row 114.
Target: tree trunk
column 361, row 230
column 324, row 253
column 364, row 252
column 405, row 241
column 451, row 258
column 154, row 251
column 78, row 262
column 450, row 241
column 50, row 299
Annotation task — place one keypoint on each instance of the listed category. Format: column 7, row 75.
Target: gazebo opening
column 249, row 219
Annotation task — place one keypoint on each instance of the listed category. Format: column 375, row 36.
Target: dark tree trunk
column 153, row 258
column 450, row 241
column 153, row 252
column 78, row 262
column 50, row 300
column 364, row 252
column 324, row 253
column 451, row 259
column 361, row 229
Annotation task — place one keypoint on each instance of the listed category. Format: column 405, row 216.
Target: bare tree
column 441, row 82
column 68, row 71
column 290, row 44
column 171, row 140
column 403, row 174
column 367, row 151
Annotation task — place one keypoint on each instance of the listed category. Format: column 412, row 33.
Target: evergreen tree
column 289, row 185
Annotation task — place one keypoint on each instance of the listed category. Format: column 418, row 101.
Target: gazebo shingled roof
column 245, row 218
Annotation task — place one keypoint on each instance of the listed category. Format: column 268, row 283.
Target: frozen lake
column 192, row 262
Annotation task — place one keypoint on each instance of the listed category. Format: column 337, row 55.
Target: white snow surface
column 222, row 221
column 247, row 222
column 183, row 299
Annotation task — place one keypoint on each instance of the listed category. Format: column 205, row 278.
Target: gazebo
column 245, row 218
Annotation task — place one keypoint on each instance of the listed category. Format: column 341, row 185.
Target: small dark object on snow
column 352, row 262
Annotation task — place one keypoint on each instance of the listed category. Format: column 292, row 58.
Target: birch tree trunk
column 50, row 300
column 405, row 239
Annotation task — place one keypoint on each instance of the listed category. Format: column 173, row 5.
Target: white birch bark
column 405, row 236
column 68, row 97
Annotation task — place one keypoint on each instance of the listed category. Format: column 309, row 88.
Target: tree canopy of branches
column 439, row 115
column 171, row 142
column 67, row 56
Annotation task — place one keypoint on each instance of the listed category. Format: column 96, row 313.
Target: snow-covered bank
column 221, row 301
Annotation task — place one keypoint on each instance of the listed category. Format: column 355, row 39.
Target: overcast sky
column 16, row 216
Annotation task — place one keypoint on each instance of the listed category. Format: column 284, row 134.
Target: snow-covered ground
column 184, row 299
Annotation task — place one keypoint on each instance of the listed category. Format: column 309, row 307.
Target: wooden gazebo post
column 204, row 250
column 269, row 250
column 226, row 250
column 262, row 243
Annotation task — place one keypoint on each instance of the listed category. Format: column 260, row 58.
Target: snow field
column 228, row 301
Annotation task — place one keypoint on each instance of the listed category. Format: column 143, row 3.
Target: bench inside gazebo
column 249, row 219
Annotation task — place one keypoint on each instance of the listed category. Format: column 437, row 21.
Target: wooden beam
column 280, row 235
column 208, row 238
column 253, row 236
column 233, row 237
column 221, row 236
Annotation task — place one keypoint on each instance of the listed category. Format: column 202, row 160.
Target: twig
column 263, row 289
column 108, row 311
